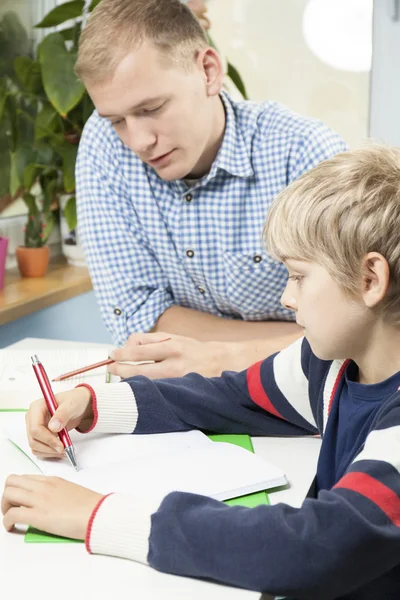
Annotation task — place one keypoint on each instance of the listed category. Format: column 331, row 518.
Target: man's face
column 335, row 325
column 160, row 110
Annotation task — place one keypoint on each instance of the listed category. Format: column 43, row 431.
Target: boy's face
column 335, row 324
column 160, row 110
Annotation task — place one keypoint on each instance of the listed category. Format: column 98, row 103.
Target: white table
column 66, row 572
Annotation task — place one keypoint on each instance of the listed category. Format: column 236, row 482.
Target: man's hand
column 73, row 407
column 48, row 503
column 173, row 357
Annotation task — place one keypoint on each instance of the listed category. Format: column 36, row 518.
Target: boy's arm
column 338, row 543
column 270, row 398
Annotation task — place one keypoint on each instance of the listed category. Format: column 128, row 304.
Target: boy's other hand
column 48, row 503
column 73, row 407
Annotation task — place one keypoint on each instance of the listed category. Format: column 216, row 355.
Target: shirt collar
column 233, row 156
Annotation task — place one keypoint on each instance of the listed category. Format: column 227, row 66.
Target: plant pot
column 32, row 262
column 71, row 247
column 3, row 256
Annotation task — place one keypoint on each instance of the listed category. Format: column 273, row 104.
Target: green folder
column 251, row 500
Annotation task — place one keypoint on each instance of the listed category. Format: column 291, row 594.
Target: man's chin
column 172, row 173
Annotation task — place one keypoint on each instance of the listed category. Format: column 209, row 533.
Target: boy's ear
column 210, row 63
column 375, row 278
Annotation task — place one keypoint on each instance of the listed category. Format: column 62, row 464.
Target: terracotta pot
column 32, row 262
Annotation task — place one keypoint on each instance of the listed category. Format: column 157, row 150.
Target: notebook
column 157, row 464
column 18, row 384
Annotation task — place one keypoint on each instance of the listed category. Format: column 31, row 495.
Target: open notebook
column 156, row 464
column 18, row 384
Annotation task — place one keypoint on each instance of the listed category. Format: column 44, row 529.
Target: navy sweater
column 344, row 543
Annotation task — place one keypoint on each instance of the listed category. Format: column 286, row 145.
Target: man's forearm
column 205, row 327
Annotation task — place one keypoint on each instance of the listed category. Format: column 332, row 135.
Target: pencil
column 97, row 365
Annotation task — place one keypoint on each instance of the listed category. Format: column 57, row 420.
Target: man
column 174, row 181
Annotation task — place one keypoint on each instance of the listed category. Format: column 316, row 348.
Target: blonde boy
column 336, row 229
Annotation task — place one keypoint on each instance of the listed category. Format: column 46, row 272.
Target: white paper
column 157, row 464
column 19, row 386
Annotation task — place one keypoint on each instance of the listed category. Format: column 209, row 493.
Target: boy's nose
column 288, row 301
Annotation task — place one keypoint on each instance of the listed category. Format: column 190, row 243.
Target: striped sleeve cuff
column 114, row 409
column 120, row 526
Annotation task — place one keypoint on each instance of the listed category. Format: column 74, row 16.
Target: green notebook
column 251, row 500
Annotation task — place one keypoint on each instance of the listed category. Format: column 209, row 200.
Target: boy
column 336, row 229
column 174, row 180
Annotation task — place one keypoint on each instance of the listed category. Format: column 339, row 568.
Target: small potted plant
column 33, row 257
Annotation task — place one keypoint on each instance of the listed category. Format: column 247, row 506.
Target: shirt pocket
column 254, row 285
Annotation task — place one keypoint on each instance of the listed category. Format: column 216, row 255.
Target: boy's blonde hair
column 339, row 211
column 115, row 27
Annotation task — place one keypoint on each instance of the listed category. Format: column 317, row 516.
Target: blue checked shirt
column 150, row 244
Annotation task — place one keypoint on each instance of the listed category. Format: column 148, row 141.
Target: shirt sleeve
column 258, row 401
column 130, row 287
column 342, row 541
column 316, row 144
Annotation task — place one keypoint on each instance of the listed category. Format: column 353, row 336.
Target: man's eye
column 117, row 122
column 148, row 111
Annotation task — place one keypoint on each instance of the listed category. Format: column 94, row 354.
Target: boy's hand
column 48, row 503
column 41, row 429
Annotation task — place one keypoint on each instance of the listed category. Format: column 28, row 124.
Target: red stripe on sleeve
column 257, row 392
column 387, row 500
column 90, row 523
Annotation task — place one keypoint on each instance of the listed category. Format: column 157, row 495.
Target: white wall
column 264, row 40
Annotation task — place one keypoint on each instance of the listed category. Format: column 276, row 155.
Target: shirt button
column 117, row 311
column 188, row 197
column 257, row 258
column 201, row 290
column 189, row 253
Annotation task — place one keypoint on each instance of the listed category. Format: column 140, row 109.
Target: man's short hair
column 116, row 27
column 339, row 211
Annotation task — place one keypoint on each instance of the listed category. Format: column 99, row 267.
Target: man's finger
column 156, row 370
column 149, row 352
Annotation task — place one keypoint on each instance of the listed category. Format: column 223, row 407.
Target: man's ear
column 209, row 62
column 375, row 278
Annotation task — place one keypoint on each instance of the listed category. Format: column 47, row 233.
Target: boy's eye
column 295, row 277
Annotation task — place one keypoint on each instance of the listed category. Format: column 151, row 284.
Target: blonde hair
column 339, row 211
column 115, row 27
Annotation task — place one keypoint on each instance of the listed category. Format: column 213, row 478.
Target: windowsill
column 24, row 296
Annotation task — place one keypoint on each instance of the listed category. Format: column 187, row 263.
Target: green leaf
column 237, row 80
column 62, row 13
column 31, row 173
column 70, row 213
column 13, row 42
column 5, row 172
column 21, row 158
column 62, row 87
column 68, row 34
column 28, row 72
column 93, row 4
column 68, row 153
column 48, row 122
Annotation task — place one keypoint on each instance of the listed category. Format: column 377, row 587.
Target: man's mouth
column 158, row 160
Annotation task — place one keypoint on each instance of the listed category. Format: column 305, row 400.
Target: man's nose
column 140, row 138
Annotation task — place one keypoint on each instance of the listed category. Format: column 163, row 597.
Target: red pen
column 51, row 404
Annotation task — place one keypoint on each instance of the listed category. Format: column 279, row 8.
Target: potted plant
column 33, row 257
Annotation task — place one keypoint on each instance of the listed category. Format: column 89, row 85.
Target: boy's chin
column 324, row 353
